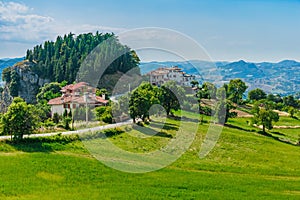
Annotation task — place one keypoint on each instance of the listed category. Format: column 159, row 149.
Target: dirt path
column 286, row 127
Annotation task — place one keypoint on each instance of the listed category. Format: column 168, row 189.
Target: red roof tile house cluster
column 75, row 96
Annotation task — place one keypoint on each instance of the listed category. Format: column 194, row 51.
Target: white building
column 162, row 75
column 75, row 96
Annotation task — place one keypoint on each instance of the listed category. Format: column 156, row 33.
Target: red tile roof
column 72, row 98
column 92, row 99
column 73, row 87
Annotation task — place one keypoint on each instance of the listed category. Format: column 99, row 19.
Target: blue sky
column 228, row 30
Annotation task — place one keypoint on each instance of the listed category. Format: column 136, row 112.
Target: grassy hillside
column 244, row 164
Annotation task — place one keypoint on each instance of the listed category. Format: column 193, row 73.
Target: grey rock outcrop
column 28, row 86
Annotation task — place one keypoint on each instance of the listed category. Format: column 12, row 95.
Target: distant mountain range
column 280, row 78
column 7, row 62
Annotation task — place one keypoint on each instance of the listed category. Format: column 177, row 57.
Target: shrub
column 49, row 124
column 113, row 132
column 66, row 123
column 56, row 118
column 206, row 110
column 104, row 114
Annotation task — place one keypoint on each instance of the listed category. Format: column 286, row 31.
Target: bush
column 113, row 132
column 19, row 120
column 104, row 113
column 66, row 123
column 206, row 111
column 49, row 124
column 280, row 106
column 56, row 118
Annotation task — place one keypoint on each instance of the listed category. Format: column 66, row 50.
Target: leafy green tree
column 292, row 111
column 274, row 98
column 101, row 92
column 104, row 113
column 236, row 89
column 224, row 106
column 207, row 91
column 42, row 111
column 14, row 89
column 107, row 115
column 29, row 55
column 290, row 101
column 65, row 114
column 141, row 100
column 99, row 111
column 48, row 92
column 63, row 84
column 61, row 60
column 14, row 84
column 6, row 74
column 170, row 96
column 19, row 120
column 194, row 83
column 56, row 118
column 257, row 94
column 297, row 95
column 66, row 122
column 264, row 115
column 70, row 113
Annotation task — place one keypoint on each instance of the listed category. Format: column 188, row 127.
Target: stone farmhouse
column 162, row 75
column 75, row 96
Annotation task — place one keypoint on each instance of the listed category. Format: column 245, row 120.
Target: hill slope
column 243, row 165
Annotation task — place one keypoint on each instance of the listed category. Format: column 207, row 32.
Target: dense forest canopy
column 62, row 59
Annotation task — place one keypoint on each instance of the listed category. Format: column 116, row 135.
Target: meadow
column 244, row 164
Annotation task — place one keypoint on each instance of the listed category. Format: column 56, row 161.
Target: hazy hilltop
column 281, row 78
column 7, row 62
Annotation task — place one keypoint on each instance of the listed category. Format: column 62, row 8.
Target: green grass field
column 243, row 165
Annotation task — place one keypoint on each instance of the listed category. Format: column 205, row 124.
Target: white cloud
column 19, row 23
column 12, row 7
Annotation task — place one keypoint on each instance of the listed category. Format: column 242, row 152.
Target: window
column 67, row 106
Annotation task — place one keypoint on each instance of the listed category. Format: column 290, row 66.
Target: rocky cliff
column 28, row 85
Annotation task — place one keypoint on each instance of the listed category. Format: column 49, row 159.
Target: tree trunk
column 168, row 111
